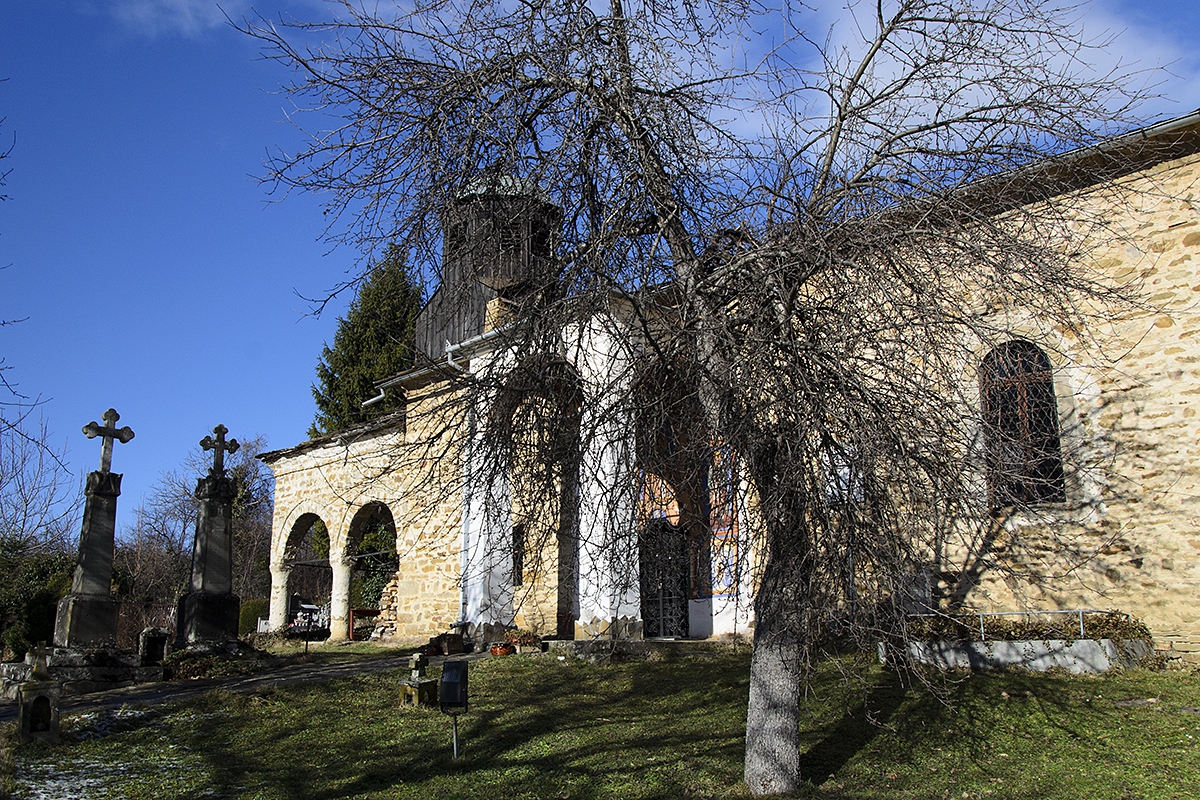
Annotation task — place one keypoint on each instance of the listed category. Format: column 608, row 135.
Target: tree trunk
column 773, row 717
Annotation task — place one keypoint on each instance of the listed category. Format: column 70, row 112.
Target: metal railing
column 981, row 614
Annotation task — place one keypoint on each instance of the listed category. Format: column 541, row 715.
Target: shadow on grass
column 583, row 730
column 845, row 737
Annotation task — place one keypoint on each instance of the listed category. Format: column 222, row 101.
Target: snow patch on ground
column 67, row 774
column 96, row 724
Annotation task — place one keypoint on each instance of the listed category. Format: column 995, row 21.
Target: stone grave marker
column 209, row 611
column 37, row 702
column 87, row 617
column 416, row 689
column 152, row 646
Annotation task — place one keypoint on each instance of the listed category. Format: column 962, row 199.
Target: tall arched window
column 1020, row 417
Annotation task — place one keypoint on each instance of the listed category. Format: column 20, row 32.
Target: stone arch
column 290, row 530
column 343, row 553
column 287, row 538
column 299, row 529
column 673, row 455
column 354, row 521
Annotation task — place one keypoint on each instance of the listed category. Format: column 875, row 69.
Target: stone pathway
column 168, row 691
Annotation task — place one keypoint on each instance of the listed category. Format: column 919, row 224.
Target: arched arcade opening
column 301, row 579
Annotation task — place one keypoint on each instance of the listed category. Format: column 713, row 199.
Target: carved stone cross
column 107, row 434
column 220, row 448
column 41, row 671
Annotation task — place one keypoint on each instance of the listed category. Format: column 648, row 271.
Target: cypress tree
column 373, row 341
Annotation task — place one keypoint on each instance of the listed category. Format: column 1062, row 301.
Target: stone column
column 212, row 551
column 279, row 596
column 87, row 617
column 339, row 599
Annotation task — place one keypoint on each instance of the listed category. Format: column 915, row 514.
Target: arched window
column 1020, row 417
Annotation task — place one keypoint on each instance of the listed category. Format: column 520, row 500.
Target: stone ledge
column 1079, row 656
column 80, row 678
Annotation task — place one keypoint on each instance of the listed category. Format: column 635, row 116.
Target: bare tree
column 807, row 237
column 39, row 505
column 39, row 497
column 152, row 561
column 5, row 154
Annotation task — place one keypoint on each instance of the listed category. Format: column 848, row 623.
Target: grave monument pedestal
column 86, row 623
column 87, row 617
column 208, row 617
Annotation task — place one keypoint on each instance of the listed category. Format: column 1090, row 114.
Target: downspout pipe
column 374, row 399
column 467, row 344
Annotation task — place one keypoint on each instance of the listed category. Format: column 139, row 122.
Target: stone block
column 86, row 621
column 204, row 617
column 419, row 693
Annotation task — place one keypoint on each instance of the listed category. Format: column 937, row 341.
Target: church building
column 590, row 521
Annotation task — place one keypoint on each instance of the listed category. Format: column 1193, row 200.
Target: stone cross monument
column 209, row 611
column 87, row 617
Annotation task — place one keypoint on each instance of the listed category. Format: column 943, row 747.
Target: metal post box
column 452, row 694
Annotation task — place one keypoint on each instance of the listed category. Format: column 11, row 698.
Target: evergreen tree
column 374, row 340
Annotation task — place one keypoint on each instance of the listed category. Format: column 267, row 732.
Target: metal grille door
column 664, row 580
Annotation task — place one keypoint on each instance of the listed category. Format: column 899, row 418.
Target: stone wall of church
column 428, row 595
column 1129, row 536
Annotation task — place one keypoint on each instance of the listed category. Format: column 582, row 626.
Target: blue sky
column 154, row 274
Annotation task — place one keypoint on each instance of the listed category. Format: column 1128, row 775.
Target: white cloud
column 158, row 17
column 194, row 17
column 1151, row 40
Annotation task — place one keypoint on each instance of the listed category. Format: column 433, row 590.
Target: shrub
column 965, row 627
column 251, row 611
column 29, row 593
column 522, row 638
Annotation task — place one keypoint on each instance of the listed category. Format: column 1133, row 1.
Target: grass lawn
column 543, row 728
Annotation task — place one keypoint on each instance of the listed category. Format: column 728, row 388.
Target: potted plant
column 524, row 641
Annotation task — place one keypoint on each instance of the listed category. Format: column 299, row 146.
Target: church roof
column 385, row 424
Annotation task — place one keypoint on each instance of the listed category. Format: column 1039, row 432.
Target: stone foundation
column 83, row 671
column 1080, row 657
column 628, row 628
